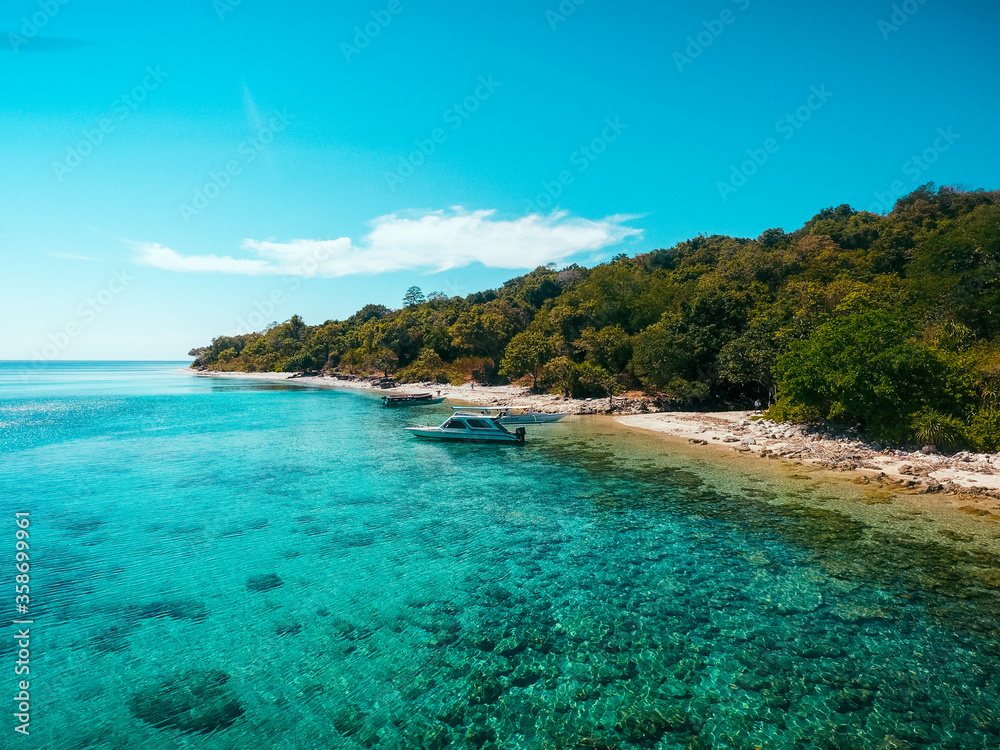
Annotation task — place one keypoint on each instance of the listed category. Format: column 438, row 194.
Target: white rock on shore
column 919, row 471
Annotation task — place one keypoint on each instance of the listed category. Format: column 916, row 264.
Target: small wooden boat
column 508, row 417
column 409, row 399
column 471, row 428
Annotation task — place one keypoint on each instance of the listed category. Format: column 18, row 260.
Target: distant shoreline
column 972, row 478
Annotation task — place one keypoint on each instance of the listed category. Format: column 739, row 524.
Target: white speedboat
column 508, row 417
column 475, row 428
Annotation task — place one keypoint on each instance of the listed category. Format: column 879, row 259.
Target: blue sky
column 176, row 172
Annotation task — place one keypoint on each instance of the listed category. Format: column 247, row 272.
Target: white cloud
column 434, row 241
column 158, row 256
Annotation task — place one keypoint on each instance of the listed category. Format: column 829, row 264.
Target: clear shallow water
column 226, row 564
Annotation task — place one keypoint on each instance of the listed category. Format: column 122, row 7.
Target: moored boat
column 409, row 399
column 508, row 417
column 473, row 428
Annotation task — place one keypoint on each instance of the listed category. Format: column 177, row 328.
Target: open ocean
column 228, row 564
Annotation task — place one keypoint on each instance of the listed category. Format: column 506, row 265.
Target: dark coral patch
column 195, row 702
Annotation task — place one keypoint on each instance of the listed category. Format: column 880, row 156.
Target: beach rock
column 484, row 643
column 498, row 593
column 586, row 692
column 928, row 449
column 350, row 720
column 442, row 638
column 195, row 702
column 427, row 736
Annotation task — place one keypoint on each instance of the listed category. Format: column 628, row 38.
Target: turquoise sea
column 227, row 564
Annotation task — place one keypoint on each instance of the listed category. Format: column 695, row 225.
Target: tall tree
column 527, row 352
column 413, row 297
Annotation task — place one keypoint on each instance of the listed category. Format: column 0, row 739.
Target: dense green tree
column 609, row 348
column 750, row 358
column 382, row 359
column 660, row 355
column 368, row 312
column 866, row 368
column 593, row 380
column 414, row 296
column 526, row 353
column 558, row 375
column 486, row 329
column 428, row 366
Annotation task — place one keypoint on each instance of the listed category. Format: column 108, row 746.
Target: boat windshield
column 454, row 424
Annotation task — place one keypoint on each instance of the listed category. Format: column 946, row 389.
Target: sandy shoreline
column 968, row 480
column 493, row 395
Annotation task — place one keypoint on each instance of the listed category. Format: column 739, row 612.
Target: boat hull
column 411, row 401
column 516, row 419
column 453, row 436
column 505, row 418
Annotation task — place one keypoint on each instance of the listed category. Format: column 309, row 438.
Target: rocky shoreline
column 911, row 472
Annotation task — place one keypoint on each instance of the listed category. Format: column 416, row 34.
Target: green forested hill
column 888, row 321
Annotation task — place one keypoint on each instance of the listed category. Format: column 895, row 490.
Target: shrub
column 931, row 426
column 984, row 430
column 686, row 391
column 784, row 411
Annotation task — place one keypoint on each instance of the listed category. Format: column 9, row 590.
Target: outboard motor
column 520, row 434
